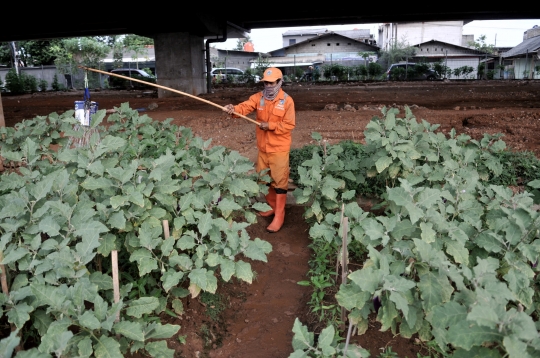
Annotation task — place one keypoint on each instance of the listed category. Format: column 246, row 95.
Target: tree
column 138, row 45
column 31, row 53
column 399, row 51
column 80, row 51
column 481, row 45
column 241, row 42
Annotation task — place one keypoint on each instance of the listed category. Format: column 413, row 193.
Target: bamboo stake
column 116, row 282
column 338, row 254
column 3, row 276
column 166, row 229
column 344, row 257
column 169, row 89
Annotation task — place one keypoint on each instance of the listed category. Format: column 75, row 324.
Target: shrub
column 55, row 84
column 43, row 84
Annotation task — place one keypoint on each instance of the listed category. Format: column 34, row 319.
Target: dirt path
column 262, row 325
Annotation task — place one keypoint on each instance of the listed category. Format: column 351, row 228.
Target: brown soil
column 258, row 318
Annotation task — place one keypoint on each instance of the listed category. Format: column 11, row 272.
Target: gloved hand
column 229, row 109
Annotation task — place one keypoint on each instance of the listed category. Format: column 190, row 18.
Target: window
column 337, row 43
column 312, row 44
column 292, row 41
column 349, row 44
column 328, row 44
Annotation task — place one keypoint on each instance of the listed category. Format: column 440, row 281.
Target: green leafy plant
column 66, row 210
column 327, row 345
column 454, row 258
column 43, row 84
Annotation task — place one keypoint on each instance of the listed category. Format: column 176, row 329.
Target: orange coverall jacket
column 280, row 116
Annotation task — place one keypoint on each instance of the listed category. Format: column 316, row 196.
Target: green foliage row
column 20, row 83
column 454, row 257
column 66, row 210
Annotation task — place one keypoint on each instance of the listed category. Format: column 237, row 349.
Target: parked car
column 237, row 75
column 130, row 72
column 410, row 71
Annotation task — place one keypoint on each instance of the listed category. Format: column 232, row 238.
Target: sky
column 502, row 33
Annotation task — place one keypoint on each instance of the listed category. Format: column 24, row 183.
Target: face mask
column 270, row 92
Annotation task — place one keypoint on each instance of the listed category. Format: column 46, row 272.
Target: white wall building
column 419, row 32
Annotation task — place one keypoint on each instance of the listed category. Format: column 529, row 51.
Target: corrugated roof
column 305, row 32
column 532, row 44
column 355, row 34
column 375, row 48
column 471, row 51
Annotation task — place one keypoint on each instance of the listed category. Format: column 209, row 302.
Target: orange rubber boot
column 271, row 200
column 277, row 223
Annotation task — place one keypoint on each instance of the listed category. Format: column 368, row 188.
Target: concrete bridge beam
column 180, row 63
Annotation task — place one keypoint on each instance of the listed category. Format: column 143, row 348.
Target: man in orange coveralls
column 275, row 112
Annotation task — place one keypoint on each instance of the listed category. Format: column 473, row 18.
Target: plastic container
column 85, row 118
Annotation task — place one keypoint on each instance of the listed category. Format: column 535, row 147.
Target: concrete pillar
column 180, row 63
column 2, row 119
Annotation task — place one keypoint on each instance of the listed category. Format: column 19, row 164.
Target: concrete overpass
column 180, row 35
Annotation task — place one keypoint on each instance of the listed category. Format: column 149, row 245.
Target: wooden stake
column 344, row 267
column 166, row 229
column 168, row 89
column 3, row 276
column 340, row 223
column 116, row 282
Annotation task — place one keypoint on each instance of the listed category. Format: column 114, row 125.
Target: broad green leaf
column 227, row 207
column 178, row 306
column 351, row 296
column 205, row 224
column 243, row 271
column 117, row 220
column 299, row 354
column 107, row 347
column 428, row 234
column 19, row 314
column 118, row 200
column 458, row 251
column 7, row 345
column 434, row 290
column 159, row 350
column 96, row 183
column 47, row 295
column 107, row 244
column 483, row 315
column 466, row 335
column 382, row 163
column 515, row 348
column 15, row 255
column 302, row 339
column 32, row 353
column 42, row 188
column 90, row 230
column 476, row 352
column 325, row 341
column 144, row 305
column 397, row 284
column 49, row 226
column 131, row 330
column 145, row 261
column 448, row 314
column 258, row 249
column 228, row 269
column 368, row 279
column 171, row 278
column 159, row 331
column 89, row 320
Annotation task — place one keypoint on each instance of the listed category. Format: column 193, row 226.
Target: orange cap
column 272, row 74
